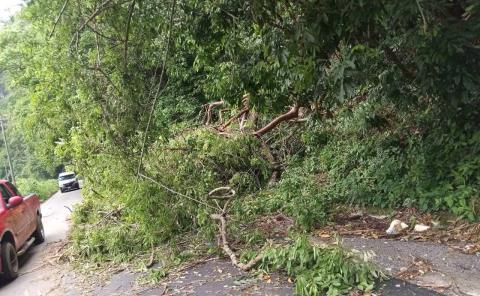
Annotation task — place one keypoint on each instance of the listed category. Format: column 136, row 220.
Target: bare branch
column 100, row 9
column 210, row 108
column 233, row 118
column 243, row 120
column 425, row 26
column 58, row 18
column 293, row 113
column 97, row 11
column 97, row 43
column 229, row 193
column 172, row 12
column 226, row 247
column 101, row 34
column 130, row 14
column 99, row 69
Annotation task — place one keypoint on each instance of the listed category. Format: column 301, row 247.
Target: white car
column 68, row 181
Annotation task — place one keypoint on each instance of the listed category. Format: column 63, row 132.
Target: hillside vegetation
column 298, row 107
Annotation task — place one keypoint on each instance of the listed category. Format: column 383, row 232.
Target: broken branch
column 229, row 193
column 226, row 248
column 210, row 108
column 293, row 113
column 238, row 115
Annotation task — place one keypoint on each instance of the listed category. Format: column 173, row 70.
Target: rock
column 396, row 227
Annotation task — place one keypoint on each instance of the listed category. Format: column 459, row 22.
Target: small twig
column 97, row 193
column 159, row 88
column 100, row 8
column 94, row 30
column 457, row 290
column 152, row 258
column 423, row 17
column 434, row 286
column 58, row 18
column 233, row 118
column 97, row 43
column 130, row 14
column 68, row 208
column 220, row 114
column 99, row 69
column 175, row 192
column 231, row 193
column 108, row 215
column 33, row 269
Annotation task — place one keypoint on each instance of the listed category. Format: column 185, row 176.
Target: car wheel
column 9, row 261
column 61, row 190
column 39, row 233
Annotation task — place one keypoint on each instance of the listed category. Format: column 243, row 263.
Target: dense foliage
column 388, row 90
column 322, row 270
column 42, row 188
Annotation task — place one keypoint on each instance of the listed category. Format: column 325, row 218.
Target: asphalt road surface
column 39, row 277
column 35, row 278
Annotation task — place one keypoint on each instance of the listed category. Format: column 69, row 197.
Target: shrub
column 403, row 160
column 43, row 188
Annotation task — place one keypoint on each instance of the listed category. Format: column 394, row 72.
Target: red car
column 20, row 226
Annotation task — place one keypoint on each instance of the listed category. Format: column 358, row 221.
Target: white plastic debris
column 396, row 227
column 421, row 228
column 378, row 217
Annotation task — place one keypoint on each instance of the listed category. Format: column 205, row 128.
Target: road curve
column 35, row 278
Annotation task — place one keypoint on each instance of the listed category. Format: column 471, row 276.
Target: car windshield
column 66, row 177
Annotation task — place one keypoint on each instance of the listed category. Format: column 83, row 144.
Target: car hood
column 63, row 182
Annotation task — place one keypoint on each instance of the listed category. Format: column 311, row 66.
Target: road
column 36, row 275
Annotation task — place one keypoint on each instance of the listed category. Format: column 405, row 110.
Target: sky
column 9, row 8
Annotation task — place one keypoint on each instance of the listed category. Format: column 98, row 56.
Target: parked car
column 20, row 226
column 68, row 181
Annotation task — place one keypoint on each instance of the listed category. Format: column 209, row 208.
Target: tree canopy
column 380, row 97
